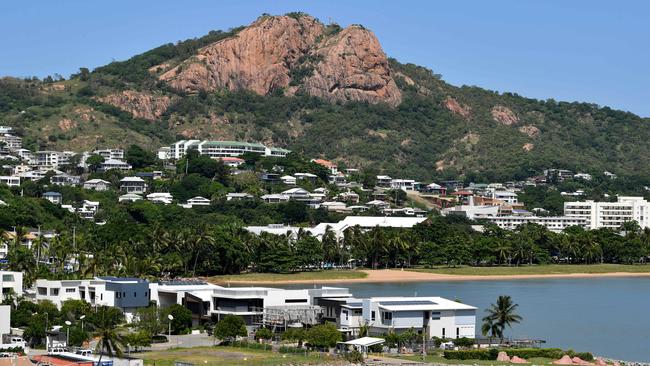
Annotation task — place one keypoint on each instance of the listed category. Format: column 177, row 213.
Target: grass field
column 548, row 269
column 218, row 356
column 299, row 276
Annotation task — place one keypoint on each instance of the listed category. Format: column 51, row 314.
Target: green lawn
column 218, row 356
column 538, row 269
column 299, row 276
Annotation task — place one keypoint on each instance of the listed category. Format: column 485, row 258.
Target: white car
column 56, row 350
column 84, row 352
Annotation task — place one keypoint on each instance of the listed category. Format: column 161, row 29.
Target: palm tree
column 104, row 323
column 503, row 314
column 490, row 327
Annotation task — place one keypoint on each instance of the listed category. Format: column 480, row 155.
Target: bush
column 354, row 357
column 463, row 342
column 16, row 349
column 251, row 345
column 526, row 353
column 159, row 339
column 263, row 333
column 285, row 349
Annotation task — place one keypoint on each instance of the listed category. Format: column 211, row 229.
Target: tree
column 323, row 335
column 229, row 328
column 263, row 334
column 104, row 322
column 137, row 340
column 490, row 327
column 84, row 73
column 73, row 309
column 294, row 334
column 502, row 314
column 148, row 320
column 94, row 161
column 138, row 157
column 182, row 318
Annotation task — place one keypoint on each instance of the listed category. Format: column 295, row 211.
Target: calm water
column 607, row 316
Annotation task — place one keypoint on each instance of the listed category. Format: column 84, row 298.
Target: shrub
column 472, row 354
column 16, row 349
column 354, row 357
column 159, row 339
column 285, row 349
column 251, row 345
column 263, row 333
column 526, row 353
column 463, row 342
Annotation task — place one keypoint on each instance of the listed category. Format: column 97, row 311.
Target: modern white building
column 164, row 198
column 110, row 164
column 219, row 149
column 472, row 212
column 437, row 316
column 54, row 197
column 52, row 159
column 552, row 223
column 404, row 184
column 506, row 196
column 611, row 214
column 107, row 154
column 127, row 294
column 10, row 283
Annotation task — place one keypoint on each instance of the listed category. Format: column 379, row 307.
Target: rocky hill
column 326, row 91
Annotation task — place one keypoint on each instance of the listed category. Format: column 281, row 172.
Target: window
column 7, row 277
column 345, row 314
column 101, row 297
column 54, row 292
column 388, row 316
column 435, row 315
column 135, row 294
column 118, row 295
column 443, row 333
column 457, row 332
column 42, row 291
column 372, row 315
column 70, row 290
column 293, row 301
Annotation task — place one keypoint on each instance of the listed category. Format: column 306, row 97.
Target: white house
column 10, row 283
column 54, row 197
column 10, row 180
column 164, row 198
column 133, row 185
column 288, row 180
column 109, row 164
column 117, row 154
column 440, row 317
column 97, row 184
column 275, row 198
column 404, row 184
column 130, row 197
column 127, row 294
column 238, row 196
column 198, row 201
column 553, row 223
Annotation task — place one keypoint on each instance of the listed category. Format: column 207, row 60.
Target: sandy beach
column 391, row 275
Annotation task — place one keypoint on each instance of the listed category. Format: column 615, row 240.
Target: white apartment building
column 10, row 282
column 610, row 214
column 127, row 294
column 52, row 159
column 109, row 164
column 133, row 185
column 117, row 154
column 552, row 223
column 404, row 184
column 11, row 142
column 220, row 149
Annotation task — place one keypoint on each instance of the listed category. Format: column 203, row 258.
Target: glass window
column 372, row 315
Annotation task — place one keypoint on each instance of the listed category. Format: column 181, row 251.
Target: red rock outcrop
column 530, row 130
column 504, row 115
column 353, row 67
column 452, row 105
column 140, row 105
column 349, row 65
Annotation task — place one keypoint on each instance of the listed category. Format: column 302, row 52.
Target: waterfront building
column 220, row 149
column 611, row 214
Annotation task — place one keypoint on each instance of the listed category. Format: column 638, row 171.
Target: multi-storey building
column 52, row 159
column 117, row 154
column 127, row 294
column 221, row 149
column 11, row 142
column 610, row 214
column 10, row 283
column 552, row 223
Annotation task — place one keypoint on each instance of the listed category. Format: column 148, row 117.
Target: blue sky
column 593, row 51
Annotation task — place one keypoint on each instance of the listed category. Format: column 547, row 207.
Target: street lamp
column 170, row 317
column 67, row 337
column 82, row 322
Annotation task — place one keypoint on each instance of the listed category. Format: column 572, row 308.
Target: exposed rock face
column 349, row 65
column 504, row 115
column 530, row 130
column 528, row 146
column 67, row 124
column 455, row 107
column 353, row 67
column 140, row 105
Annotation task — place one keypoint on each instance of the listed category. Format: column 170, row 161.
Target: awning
column 365, row 341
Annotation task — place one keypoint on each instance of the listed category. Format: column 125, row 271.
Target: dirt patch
column 440, row 165
column 504, row 115
column 406, row 142
column 528, row 146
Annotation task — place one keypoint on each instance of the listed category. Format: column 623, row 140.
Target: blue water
column 605, row 316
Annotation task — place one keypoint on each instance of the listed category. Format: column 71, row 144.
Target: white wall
column 5, row 320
